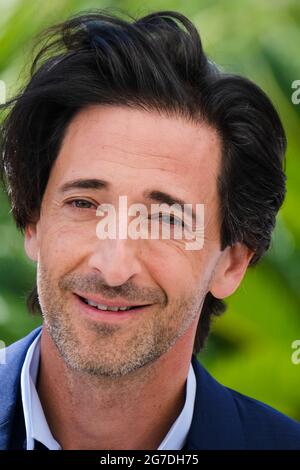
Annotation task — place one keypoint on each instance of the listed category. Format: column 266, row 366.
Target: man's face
column 134, row 151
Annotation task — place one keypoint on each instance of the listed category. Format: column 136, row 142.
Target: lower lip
column 109, row 315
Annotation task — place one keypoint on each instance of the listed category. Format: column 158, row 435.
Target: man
column 136, row 109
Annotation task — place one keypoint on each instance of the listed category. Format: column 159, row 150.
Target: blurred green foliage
column 250, row 345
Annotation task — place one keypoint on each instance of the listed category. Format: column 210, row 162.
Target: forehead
column 129, row 146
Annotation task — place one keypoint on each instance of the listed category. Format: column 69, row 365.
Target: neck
column 132, row 412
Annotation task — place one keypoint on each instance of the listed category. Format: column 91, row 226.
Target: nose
column 116, row 259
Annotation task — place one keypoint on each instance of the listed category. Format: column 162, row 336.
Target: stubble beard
column 101, row 349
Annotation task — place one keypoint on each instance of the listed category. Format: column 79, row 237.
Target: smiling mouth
column 105, row 308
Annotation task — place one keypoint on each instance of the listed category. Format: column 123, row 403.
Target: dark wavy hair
column 155, row 63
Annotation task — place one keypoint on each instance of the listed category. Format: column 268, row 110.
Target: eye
column 169, row 218
column 80, row 204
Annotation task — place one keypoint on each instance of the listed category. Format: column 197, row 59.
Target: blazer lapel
column 216, row 423
column 10, row 373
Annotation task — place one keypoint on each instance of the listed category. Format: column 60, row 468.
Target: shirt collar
column 35, row 421
column 36, row 424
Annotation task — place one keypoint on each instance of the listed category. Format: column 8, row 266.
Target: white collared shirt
column 37, row 427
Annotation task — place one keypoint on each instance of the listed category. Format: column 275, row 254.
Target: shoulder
column 14, row 354
column 226, row 419
column 13, row 358
column 265, row 427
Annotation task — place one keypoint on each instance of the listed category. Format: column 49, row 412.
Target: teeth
column 105, row 307
column 90, row 302
column 114, row 309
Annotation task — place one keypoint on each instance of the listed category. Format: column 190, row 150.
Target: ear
column 230, row 270
column 31, row 241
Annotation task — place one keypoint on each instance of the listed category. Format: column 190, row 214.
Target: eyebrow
column 153, row 195
column 84, row 184
column 165, row 198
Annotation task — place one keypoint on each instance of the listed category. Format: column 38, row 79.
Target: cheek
column 176, row 272
column 182, row 273
column 62, row 246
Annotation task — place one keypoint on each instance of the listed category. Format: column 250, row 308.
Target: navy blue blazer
column 222, row 419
